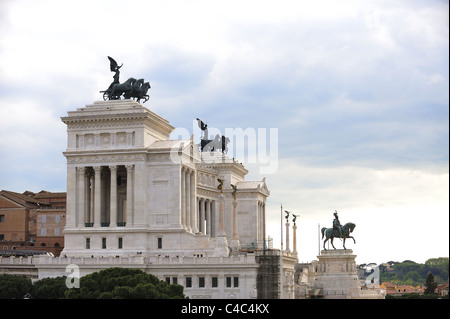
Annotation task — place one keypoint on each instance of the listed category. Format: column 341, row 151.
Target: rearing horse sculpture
column 332, row 233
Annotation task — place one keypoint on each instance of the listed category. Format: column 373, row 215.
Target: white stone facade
column 137, row 199
column 131, row 190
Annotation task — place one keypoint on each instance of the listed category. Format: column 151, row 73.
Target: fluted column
column 113, row 197
column 235, row 243
column 295, row 238
column 193, row 202
column 97, row 195
column 287, row 236
column 188, row 200
column 87, row 197
column 183, row 197
column 81, row 192
column 208, row 218
column 130, row 196
column 201, row 223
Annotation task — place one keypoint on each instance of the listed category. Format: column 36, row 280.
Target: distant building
column 32, row 221
column 398, row 290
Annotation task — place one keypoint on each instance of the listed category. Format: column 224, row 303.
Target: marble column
column 208, row 218
column 235, row 244
column 193, row 202
column 183, row 198
column 188, row 200
column 130, row 196
column 87, row 197
column 287, row 236
column 222, row 249
column 201, row 218
column 295, row 238
column 81, row 193
column 97, row 195
column 113, row 197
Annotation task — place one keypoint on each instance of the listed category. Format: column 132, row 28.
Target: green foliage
column 430, row 284
column 14, row 287
column 123, row 283
column 49, row 288
column 410, row 273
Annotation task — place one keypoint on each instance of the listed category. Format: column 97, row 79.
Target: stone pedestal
column 336, row 275
column 235, row 244
column 221, row 249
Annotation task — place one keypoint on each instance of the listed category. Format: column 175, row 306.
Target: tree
column 49, row 288
column 430, row 284
column 124, row 283
column 14, row 287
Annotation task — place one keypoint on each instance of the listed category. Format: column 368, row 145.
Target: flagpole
column 281, row 216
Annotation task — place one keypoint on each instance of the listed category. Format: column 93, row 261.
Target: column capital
column 113, row 168
column 97, row 169
column 81, row 170
column 129, row 167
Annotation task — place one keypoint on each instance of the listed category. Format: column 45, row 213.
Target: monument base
column 337, row 277
column 221, row 249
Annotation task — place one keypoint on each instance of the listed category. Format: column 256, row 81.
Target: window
column 215, row 282
column 159, row 243
column 57, row 219
column 57, row 232
column 228, row 282
column 188, row 282
column 43, row 231
column 2, row 218
column 88, row 243
column 236, row 281
column 168, row 280
column 120, row 243
column 201, row 282
column 103, row 243
column 44, row 218
column 174, row 280
column 232, row 280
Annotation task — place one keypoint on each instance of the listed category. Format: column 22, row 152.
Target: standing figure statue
column 235, row 189
column 220, row 187
column 114, row 67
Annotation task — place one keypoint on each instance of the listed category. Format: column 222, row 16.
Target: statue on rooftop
column 130, row 89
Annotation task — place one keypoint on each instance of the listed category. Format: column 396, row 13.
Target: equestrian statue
column 338, row 231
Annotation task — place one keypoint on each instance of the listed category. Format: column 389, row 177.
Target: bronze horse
column 332, row 233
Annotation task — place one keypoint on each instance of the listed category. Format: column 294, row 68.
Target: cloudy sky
column 357, row 92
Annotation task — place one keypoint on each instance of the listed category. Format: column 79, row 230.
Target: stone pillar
column 287, row 236
column 213, row 219
column 295, row 238
column 201, row 223
column 193, row 208
column 235, row 244
column 183, row 198
column 81, row 193
column 87, row 198
column 113, row 197
column 71, row 196
column 221, row 249
column 130, row 196
column 97, row 195
column 188, row 200
column 208, row 218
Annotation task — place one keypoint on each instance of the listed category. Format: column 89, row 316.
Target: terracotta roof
column 46, row 194
column 21, row 197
